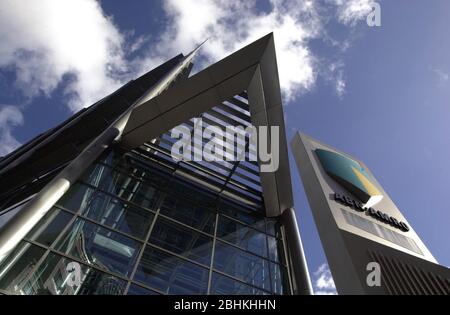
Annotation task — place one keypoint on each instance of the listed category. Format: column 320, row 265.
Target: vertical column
column 297, row 263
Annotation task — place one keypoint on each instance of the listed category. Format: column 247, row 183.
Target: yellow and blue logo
column 351, row 175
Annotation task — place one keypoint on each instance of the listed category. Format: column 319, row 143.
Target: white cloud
column 47, row 39
column 10, row 117
column 340, row 86
column 230, row 25
column 334, row 73
column 350, row 12
column 323, row 281
column 441, row 75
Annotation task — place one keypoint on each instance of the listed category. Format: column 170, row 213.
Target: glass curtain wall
column 129, row 226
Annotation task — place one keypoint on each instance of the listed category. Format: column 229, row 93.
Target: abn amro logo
column 351, row 175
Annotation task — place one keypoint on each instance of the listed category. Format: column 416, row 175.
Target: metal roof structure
column 235, row 179
column 241, row 88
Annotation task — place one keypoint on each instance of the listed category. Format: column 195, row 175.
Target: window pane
column 280, row 282
column 123, row 186
column 276, row 251
column 147, row 170
column 111, row 157
column 241, row 215
column 273, row 227
column 242, row 265
column 76, row 197
column 138, row 290
column 242, row 236
column 192, row 193
column 182, row 241
column 18, row 266
column 49, row 227
column 171, row 274
column 222, row 285
column 100, row 247
column 61, row 276
column 118, row 215
column 185, row 212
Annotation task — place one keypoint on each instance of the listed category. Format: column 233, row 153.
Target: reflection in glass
column 273, row 227
column 187, row 213
column 123, row 186
column 182, row 241
column 242, row 236
column 192, row 193
column 99, row 247
column 138, row 290
column 222, row 285
column 276, row 251
column 242, row 215
column 49, row 227
column 148, row 171
column 111, row 157
column 61, row 276
column 280, row 282
column 242, row 265
column 171, row 274
column 118, row 215
column 17, row 268
column 76, row 198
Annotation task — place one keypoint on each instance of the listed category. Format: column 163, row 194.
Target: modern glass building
column 97, row 205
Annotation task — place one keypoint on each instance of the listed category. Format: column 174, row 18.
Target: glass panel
column 17, row 268
column 276, row 251
column 111, row 157
column 273, row 227
column 192, row 193
column 49, row 227
column 222, row 285
column 280, row 282
column 76, row 198
column 242, row 265
column 185, row 212
column 147, row 170
column 100, row 247
column 182, row 241
column 242, row 215
column 118, row 215
column 242, row 236
column 138, row 290
column 171, row 274
column 58, row 275
column 123, row 186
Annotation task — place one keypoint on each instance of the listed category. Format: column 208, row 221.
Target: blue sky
column 381, row 93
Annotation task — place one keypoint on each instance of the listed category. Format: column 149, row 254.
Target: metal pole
column 299, row 268
column 22, row 223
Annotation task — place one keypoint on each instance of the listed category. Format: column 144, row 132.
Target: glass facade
column 130, row 226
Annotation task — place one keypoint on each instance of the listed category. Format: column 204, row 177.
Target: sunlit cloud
column 323, row 281
column 10, row 117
